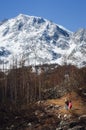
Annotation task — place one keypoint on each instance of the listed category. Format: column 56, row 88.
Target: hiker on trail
column 70, row 105
column 66, row 104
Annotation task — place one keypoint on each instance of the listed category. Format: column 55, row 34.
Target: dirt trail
column 79, row 106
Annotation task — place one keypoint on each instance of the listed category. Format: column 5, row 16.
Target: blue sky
column 69, row 13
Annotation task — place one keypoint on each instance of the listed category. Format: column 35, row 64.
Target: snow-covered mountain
column 34, row 40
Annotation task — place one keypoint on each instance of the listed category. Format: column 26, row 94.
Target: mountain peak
column 22, row 15
column 40, row 20
column 81, row 35
column 28, row 16
column 81, row 31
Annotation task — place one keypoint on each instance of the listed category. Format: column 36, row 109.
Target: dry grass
column 79, row 107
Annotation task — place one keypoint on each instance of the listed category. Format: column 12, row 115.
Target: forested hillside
column 25, row 85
